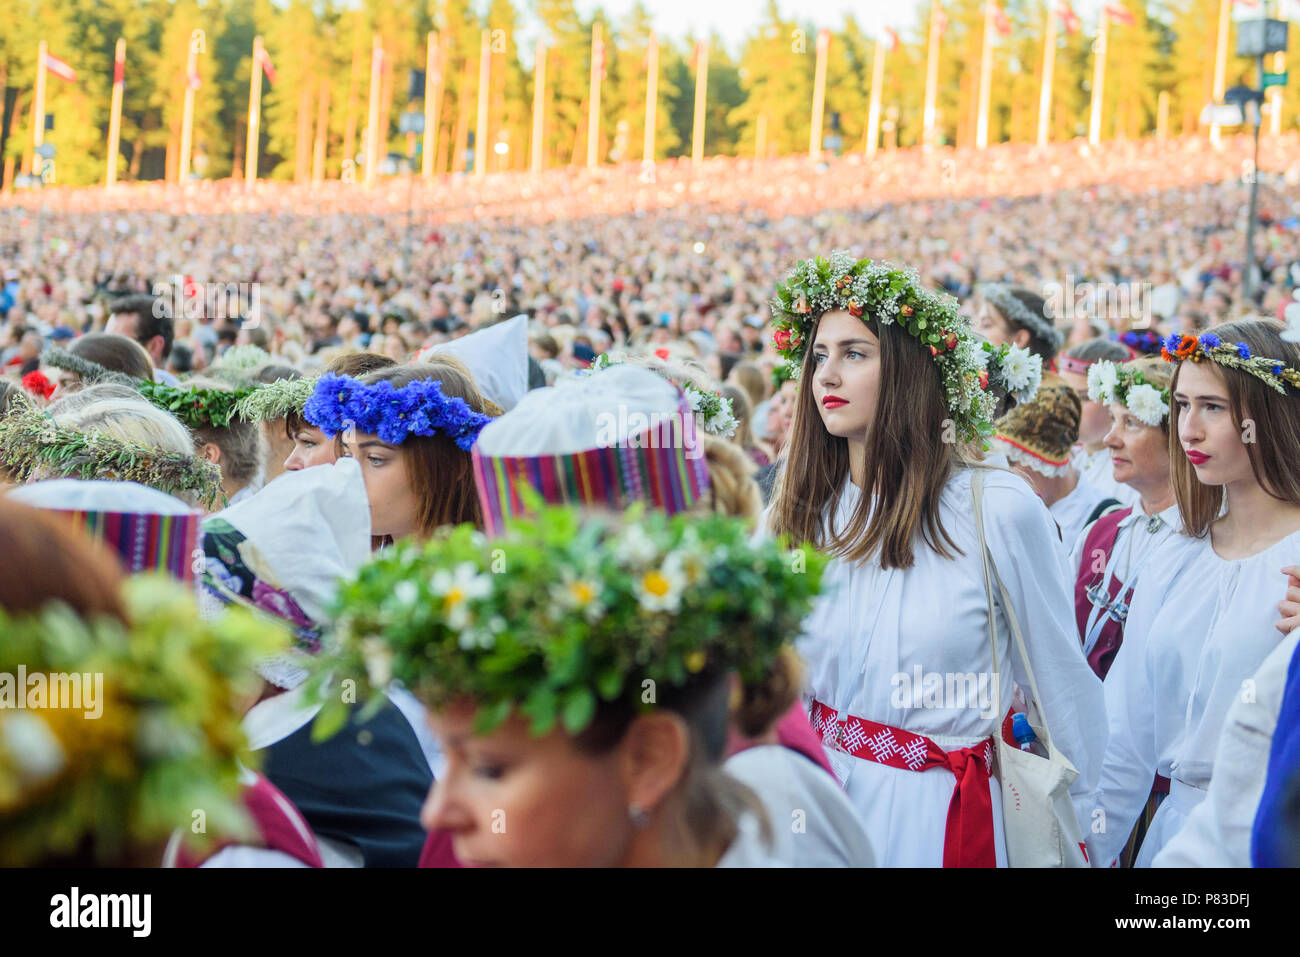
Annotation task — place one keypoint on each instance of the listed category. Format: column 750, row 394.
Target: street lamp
column 1256, row 38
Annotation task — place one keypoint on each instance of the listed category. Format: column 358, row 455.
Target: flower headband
column 595, row 608
column 197, row 408
column 1109, row 383
column 1272, row 372
column 30, row 440
column 1012, row 369
column 245, row 358
column 887, row 294
column 339, row 402
column 167, row 738
column 715, row 410
column 1013, row 310
column 89, row 372
column 1144, row 343
column 275, row 400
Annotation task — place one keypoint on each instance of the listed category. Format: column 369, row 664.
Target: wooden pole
column 254, row 116
column 38, row 109
column 1162, row 115
column 373, row 147
column 873, row 105
column 322, row 132
column 432, row 102
column 986, row 80
column 537, row 145
column 1049, row 69
column 187, row 118
column 1098, row 80
column 651, row 100
column 931, row 79
column 1220, row 60
column 819, row 96
column 701, row 90
column 115, row 114
column 593, row 97
column 484, row 80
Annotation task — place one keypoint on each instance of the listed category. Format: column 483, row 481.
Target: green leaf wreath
column 197, row 408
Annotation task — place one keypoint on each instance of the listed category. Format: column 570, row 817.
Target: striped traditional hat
column 148, row 529
column 1040, row 433
column 607, row 439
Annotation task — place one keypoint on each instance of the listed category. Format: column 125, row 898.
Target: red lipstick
column 833, row 402
column 1197, row 458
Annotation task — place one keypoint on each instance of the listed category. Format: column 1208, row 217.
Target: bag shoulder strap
column 1104, row 507
column 991, row 570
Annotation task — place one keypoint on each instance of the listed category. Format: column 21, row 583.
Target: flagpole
column 372, row 119
column 1049, row 68
column 432, row 102
column 1099, row 78
column 819, row 96
column 593, row 98
column 115, row 114
column 484, row 79
column 873, row 106
column 38, row 109
column 539, row 104
column 760, row 137
column 931, row 77
column 1220, row 61
column 651, row 99
column 1275, row 96
column 986, row 79
column 701, row 89
column 187, row 120
column 254, row 116
column 322, row 131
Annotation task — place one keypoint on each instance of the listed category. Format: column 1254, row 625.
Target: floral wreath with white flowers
column 715, row 410
column 1109, row 383
column 887, row 294
column 593, row 607
column 1014, row 370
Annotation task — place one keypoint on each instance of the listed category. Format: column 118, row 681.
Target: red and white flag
column 940, row 21
column 267, row 68
column 119, row 69
column 823, row 39
column 1000, row 21
column 893, row 39
column 698, row 55
column 1120, row 14
column 1068, row 17
column 60, row 68
column 1247, row 3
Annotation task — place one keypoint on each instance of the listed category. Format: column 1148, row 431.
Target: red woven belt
column 968, row 837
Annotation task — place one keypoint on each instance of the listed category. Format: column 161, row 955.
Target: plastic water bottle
column 1024, row 734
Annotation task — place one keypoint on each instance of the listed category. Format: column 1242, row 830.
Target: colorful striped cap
column 148, row 529
column 606, row 440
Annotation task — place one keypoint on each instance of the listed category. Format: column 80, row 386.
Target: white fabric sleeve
column 1217, row 832
column 1129, row 767
column 1034, row 568
column 241, row 855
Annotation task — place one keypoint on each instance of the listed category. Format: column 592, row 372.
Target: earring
column 639, row 816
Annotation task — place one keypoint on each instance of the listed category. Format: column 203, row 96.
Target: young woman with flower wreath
column 893, row 403
column 411, row 429
column 1091, row 457
column 1203, row 612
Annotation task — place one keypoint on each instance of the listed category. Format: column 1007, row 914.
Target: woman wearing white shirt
column 1202, row 620
column 878, row 475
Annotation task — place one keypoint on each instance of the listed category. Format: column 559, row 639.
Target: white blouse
column 1137, row 540
column 875, row 633
column 1073, row 511
column 1200, row 626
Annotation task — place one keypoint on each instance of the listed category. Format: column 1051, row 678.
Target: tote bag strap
column 977, row 493
column 991, row 569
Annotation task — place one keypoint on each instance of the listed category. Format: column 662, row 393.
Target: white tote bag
column 1037, row 814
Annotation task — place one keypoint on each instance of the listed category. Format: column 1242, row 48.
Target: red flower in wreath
column 781, row 339
column 855, row 309
column 663, row 353
column 36, row 383
column 984, row 379
column 1186, row 346
column 801, row 305
column 906, row 309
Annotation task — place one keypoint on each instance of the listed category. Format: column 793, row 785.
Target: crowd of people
column 774, row 514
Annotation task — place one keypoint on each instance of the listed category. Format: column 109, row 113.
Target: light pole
column 1256, row 38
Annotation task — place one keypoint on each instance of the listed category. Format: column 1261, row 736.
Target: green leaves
column 197, row 408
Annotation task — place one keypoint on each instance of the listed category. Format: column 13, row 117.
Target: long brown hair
column 1274, row 453
column 909, row 460
column 440, row 471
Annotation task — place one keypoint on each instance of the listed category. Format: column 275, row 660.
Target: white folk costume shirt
column 813, row 824
column 1138, row 538
column 1217, row 832
column 1199, row 627
column 873, row 631
column 1097, row 468
column 1073, row 511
